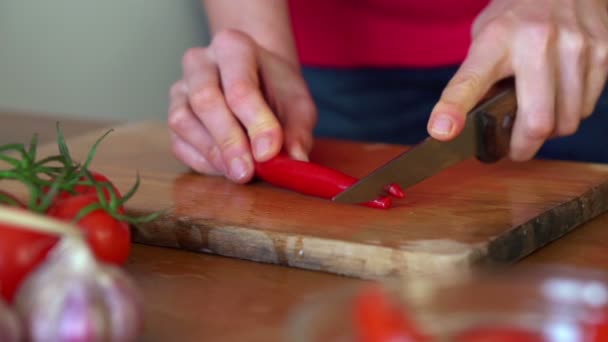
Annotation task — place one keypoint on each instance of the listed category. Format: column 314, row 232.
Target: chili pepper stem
column 35, row 222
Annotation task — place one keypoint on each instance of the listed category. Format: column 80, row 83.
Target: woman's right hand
column 238, row 102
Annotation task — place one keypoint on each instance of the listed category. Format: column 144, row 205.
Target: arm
column 266, row 21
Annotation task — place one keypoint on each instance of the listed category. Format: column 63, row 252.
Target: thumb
column 474, row 78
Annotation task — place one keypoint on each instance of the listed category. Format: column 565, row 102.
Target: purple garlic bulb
column 10, row 329
column 72, row 297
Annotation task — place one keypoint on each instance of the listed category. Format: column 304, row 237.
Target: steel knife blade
column 486, row 136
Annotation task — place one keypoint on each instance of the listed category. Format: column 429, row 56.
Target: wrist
column 267, row 22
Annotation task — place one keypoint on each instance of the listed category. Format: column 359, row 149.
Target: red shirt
column 416, row 33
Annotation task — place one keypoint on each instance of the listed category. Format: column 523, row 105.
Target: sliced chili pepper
column 314, row 179
column 382, row 202
column 395, row 190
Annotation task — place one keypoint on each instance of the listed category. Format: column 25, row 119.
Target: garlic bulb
column 10, row 330
column 72, row 297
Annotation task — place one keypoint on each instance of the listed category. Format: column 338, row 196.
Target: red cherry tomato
column 597, row 330
column 85, row 189
column 377, row 319
column 20, row 252
column 109, row 238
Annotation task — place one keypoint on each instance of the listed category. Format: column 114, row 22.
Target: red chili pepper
column 314, row 179
column 395, row 190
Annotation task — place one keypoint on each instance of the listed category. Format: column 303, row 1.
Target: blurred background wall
column 113, row 58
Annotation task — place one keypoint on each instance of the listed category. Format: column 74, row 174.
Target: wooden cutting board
column 470, row 215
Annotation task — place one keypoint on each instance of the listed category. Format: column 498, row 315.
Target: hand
column 558, row 52
column 237, row 101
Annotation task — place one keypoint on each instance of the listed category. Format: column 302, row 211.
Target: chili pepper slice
column 396, row 190
column 314, row 179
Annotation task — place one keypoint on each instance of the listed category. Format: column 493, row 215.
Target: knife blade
column 486, row 136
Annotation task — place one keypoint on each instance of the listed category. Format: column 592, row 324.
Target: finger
column 595, row 80
column 299, row 123
column 188, row 128
column 208, row 104
column 596, row 25
column 483, row 67
column 535, row 77
column 572, row 54
column 236, row 57
column 192, row 157
column 294, row 105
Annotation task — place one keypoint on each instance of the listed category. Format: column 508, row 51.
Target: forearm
column 266, row 21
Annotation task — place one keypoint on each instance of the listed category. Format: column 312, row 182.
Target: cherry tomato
column 499, row 334
column 85, row 189
column 109, row 238
column 596, row 331
column 377, row 319
column 20, row 252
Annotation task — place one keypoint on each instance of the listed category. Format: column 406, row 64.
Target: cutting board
column 470, row 215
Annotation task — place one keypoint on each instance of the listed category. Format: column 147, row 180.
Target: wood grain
column 198, row 297
column 472, row 214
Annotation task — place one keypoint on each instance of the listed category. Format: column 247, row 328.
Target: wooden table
column 197, row 297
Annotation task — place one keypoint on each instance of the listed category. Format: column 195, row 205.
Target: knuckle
column 538, row 130
column 462, row 85
column 178, row 118
column 540, row 33
column 230, row 142
column 263, row 126
column 206, row 98
column 193, row 55
column 177, row 88
column 576, row 41
column 600, row 53
column 495, row 28
column 210, row 153
column 240, row 92
column 230, row 37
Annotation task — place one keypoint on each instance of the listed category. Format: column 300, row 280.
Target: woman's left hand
column 557, row 51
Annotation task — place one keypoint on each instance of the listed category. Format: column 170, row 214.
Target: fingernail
column 298, row 153
column 442, row 125
column 239, row 168
column 262, row 147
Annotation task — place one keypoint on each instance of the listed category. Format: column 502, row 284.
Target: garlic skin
column 10, row 329
column 72, row 297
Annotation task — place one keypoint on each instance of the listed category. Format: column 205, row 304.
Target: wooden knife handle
column 494, row 120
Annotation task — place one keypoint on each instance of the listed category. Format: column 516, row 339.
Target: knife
column 486, row 136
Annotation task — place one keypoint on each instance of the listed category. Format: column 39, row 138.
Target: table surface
column 194, row 297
